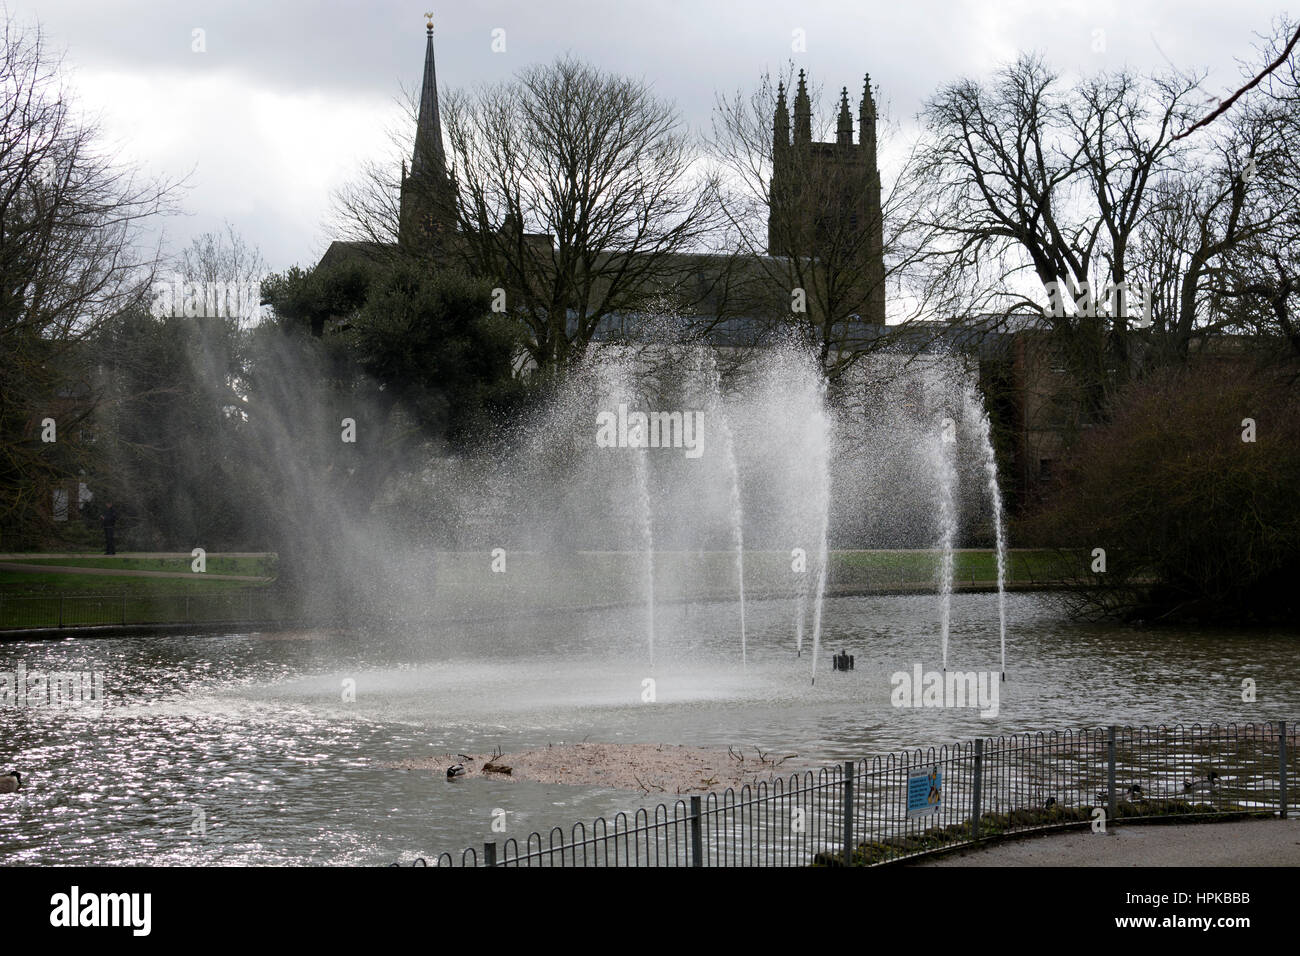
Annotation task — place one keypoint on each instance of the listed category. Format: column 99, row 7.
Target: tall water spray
column 648, row 538
column 822, row 430
column 983, row 428
column 737, row 533
column 617, row 387
column 786, row 431
column 944, row 447
column 800, row 610
column 718, row 412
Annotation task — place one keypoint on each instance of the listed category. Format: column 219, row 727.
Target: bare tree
column 71, row 255
column 366, row 210
column 579, row 194
column 1054, row 184
column 224, row 263
column 1212, row 227
column 1257, row 287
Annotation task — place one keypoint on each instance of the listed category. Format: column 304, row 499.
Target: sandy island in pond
column 649, row 768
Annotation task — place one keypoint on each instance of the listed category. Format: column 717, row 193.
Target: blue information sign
column 924, row 791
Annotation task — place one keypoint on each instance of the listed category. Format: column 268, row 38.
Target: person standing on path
column 110, row 520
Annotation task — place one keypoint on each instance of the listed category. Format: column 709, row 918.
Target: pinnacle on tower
column 868, row 106
column 781, row 122
column 867, row 117
column 802, row 113
column 844, row 129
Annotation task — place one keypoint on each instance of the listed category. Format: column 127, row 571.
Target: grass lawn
column 462, row 583
column 56, row 608
column 256, row 567
column 35, row 599
column 1023, row 566
column 24, row 582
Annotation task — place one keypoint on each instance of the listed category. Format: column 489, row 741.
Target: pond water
column 251, row 735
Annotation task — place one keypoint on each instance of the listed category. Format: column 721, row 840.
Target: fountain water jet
column 983, row 428
column 947, row 479
column 737, row 510
column 648, row 537
column 799, row 611
column 738, row 534
column 824, row 503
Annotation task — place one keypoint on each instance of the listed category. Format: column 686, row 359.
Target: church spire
column 802, row 113
column 428, row 209
column 428, row 155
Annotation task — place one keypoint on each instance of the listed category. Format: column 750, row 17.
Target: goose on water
column 11, row 781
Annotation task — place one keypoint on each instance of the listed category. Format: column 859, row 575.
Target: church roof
column 343, row 251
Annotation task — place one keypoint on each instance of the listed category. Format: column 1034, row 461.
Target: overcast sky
column 291, row 96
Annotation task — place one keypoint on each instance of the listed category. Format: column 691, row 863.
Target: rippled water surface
column 253, row 731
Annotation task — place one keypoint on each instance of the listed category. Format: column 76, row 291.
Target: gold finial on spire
column 428, row 15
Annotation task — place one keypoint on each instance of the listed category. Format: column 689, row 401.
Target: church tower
column 427, row 207
column 825, row 197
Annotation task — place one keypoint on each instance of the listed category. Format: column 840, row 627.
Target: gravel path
column 1239, row 843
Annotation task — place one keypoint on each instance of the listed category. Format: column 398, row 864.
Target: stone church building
column 824, row 196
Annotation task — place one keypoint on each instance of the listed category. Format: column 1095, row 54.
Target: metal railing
column 991, row 787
